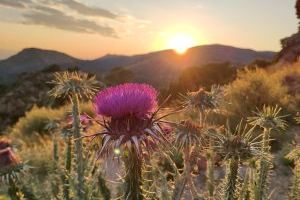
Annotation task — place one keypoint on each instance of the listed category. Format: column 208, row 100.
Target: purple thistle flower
column 130, row 123
column 135, row 99
column 130, row 117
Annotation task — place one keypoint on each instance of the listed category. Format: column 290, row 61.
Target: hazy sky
column 92, row 28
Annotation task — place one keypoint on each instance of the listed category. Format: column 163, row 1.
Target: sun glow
column 181, row 42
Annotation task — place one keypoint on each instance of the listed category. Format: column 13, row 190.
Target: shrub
column 35, row 121
column 253, row 89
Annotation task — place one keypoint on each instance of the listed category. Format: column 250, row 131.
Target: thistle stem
column 210, row 173
column 261, row 185
column 295, row 189
column 179, row 187
column 68, row 164
column 133, row 178
column 13, row 191
column 78, row 148
column 105, row 192
column 186, row 178
column 230, row 184
column 54, row 184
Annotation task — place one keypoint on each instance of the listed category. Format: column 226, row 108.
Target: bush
column 35, row 121
column 205, row 76
column 253, row 89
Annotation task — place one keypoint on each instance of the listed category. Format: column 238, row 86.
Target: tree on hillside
column 259, row 63
column 194, row 77
column 119, row 75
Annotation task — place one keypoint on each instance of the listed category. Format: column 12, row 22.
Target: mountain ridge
column 152, row 67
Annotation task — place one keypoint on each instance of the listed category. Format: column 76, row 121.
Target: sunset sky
column 92, row 28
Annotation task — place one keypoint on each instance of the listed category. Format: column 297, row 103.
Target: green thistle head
column 238, row 143
column 67, row 84
column 269, row 117
column 203, row 100
column 188, row 134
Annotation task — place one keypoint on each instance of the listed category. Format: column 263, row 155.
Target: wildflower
column 9, row 162
column 129, row 112
column 73, row 83
column 130, row 121
column 76, row 86
column 268, row 118
column 202, row 100
column 234, row 146
column 139, row 100
column 188, row 134
column 238, row 143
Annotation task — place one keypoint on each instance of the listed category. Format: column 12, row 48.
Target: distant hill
column 158, row 68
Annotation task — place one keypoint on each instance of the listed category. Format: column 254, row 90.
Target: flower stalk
column 68, row 165
column 210, row 173
column 133, row 177
column 78, row 147
column 230, row 184
column 260, row 192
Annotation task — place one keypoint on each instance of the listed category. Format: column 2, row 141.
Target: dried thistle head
column 269, row 117
column 10, row 164
column 294, row 155
column 67, row 84
column 237, row 143
column 203, row 100
column 188, row 134
column 4, row 143
column 129, row 117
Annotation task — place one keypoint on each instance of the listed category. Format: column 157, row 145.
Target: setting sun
column 181, row 42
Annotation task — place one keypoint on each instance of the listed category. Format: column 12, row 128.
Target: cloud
column 87, row 10
column 14, row 3
column 72, row 15
column 51, row 17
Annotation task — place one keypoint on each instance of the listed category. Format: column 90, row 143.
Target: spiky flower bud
column 188, row 134
column 74, row 83
column 234, row 146
column 269, row 118
column 202, row 100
